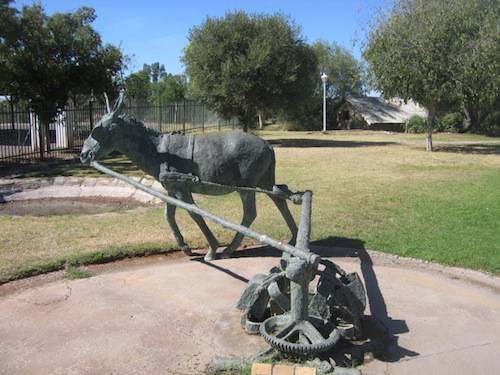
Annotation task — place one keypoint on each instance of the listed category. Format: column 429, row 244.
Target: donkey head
column 100, row 141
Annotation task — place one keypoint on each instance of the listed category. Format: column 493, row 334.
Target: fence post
column 41, row 140
column 91, row 115
column 159, row 116
column 184, row 116
column 12, row 120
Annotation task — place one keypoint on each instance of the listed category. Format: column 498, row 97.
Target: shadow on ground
column 325, row 143
column 70, row 167
column 380, row 329
column 478, row 149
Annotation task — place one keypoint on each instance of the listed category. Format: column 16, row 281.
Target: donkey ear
column 119, row 103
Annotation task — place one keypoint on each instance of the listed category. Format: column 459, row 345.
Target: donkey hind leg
column 249, row 215
column 213, row 244
column 287, row 215
column 170, row 217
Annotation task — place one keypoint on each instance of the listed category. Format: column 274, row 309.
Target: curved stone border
column 75, row 187
column 379, row 258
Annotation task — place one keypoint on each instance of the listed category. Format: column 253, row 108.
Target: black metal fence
column 21, row 134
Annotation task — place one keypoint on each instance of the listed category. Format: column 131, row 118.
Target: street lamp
column 324, row 78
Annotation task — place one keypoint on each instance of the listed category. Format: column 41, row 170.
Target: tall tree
column 345, row 72
column 432, row 51
column 47, row 59
column 170, row 88
column 138, row 85
column 240, row 64
column 153, row 84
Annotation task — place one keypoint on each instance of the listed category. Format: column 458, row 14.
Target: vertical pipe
column 324, row 106
column 299, row 289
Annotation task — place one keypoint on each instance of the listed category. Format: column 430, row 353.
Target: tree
column 240, row 64
column 345, row 72
column 138, row 85
column 433, row 52
column 171, row 88
column 153, row 84
column 47, row 59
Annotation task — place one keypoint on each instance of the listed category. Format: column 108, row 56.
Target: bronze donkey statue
column 186, row 164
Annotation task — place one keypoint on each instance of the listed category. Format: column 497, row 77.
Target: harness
column 280, row 191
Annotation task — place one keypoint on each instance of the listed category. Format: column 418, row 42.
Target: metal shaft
column 311, row 258
column 299, row 291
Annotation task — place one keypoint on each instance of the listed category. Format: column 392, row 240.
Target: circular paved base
column 172, row 316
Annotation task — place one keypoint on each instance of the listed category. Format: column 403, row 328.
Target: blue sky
column 155, row 30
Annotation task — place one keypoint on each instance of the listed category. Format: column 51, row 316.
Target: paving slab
column 172, row 316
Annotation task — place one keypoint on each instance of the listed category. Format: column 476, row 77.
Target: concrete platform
column 171, row 315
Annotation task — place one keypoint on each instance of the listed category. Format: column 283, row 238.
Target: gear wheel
column 272, row 327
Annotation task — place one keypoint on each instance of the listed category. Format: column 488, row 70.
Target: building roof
column 376, row 110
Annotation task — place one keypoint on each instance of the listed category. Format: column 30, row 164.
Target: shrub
column 450, row 122
column 416, row 124
column 491, row 124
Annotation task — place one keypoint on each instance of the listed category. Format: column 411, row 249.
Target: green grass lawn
column 372, row 189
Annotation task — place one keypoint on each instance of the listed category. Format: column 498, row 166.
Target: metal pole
column 299, row 289
column 309, row 257
column 324, row 105
column 91, row 115
column 12, row 121
column 184, row 116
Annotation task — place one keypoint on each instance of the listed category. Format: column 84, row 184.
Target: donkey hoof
column 227, row 253
column 209, row 257
column 187, row 250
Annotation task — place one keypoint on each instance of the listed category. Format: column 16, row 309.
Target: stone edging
column 75, row 187
column 480, row 278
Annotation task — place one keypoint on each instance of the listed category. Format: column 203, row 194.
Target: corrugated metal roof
column 376, row 110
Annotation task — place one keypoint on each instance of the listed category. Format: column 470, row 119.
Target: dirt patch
column 67, row 206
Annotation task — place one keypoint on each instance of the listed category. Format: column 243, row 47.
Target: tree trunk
column 471, row 120
column 430, row 127
column 260, row 121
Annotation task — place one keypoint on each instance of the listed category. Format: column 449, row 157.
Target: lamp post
column 324, row 78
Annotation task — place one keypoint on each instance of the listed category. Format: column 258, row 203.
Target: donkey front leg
column 212, row 241
column 170, row 217
column 249, row 215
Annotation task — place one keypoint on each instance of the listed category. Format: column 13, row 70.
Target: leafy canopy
column 46, row 59
column 153, row 84
column 239, row 64
column 345, row 72
column 437, row 51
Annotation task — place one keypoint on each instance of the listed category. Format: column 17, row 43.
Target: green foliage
column 450, row 122
column 138, row 86
column 438, row 52
column 345, row 73
column 345, row 77
column 73, row 272
column 491, row 124
column 416, row 124
column 240, row 64
column 155, row 71
column 153, row 84
column 47, row 59
column 171, row 88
